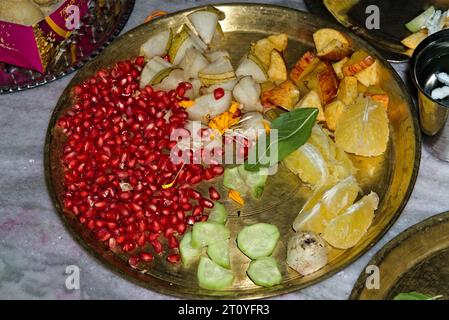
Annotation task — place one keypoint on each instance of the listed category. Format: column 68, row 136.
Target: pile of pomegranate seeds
column 117, row 165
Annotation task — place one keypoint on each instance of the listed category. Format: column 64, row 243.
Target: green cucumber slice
column 416, row 24
column 219, row 253
column 219, row 214
column 233, row 180
column 245, row 181
column 213, row 277
column 188, row 253
column 265, row 272
column 258, row 240
column 255, row 181
column 206, row 233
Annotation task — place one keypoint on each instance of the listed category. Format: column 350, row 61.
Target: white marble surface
column 34, row 246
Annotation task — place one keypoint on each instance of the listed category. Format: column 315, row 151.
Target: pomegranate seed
column 133, row 261
column 174, row 258
column 207, row 203
column 213, row 193
column 146, row 256
column 219, row 93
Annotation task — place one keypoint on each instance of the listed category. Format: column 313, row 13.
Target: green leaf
column 294, row 129
column 416, row 296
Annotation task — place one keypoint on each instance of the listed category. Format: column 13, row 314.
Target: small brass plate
column 392, row 175
column 416, row 261
column 393, row 16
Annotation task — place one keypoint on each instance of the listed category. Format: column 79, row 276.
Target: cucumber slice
column 188, row 253
column 206, row 233
column 219, row 253
column 265, row 272
column 233, row 180
column 255, row 181
column 416, row 24
column 245, row 181
column 213, row 277
column 218, row 214
column 258, row 240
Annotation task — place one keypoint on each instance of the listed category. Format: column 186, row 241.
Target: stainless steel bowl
column 431, row 57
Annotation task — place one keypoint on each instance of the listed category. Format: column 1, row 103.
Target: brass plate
column 392, row 175
column 393, row 16
column 417, row 260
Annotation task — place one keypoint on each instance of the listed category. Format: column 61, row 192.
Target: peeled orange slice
column 330, row 204
column 363, row 128
column 346, row 230
column 308, row 163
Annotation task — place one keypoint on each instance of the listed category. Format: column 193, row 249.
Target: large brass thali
column 416, row 261
column 392, row 175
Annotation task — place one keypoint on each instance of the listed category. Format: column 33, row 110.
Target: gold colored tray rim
column 133, row 276
column 393, row 245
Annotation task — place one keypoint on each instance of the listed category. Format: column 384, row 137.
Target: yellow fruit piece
column 338, row 67
column 279, row 41
column 413, row 41
column 308, row 163
column 348, row 90
column 346, row 230
column 329, row 206
column 369, row 76
column 312, row 100
column 278, row 70
column 333, row 112
column 363, row 129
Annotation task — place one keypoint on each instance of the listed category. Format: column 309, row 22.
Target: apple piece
column 378, row 94
column 286, row 95
column 197, row 42
column 370, row 76
column 348, row 90
column 252, row 66
column 312, row 100
column 247, row 92
column 358, row 62
column 279, row 41
column 278, row 70
column 333, row 112
column 207, row 107
column 219, row 37
column 219, row 71
column 332, row 44
column 205, row 23
column 324, row 81
column 193, row 63
column 195, row 92
column 262, row 49
column 305, row 65
column 413, row 41
column 157, row 45
column 338, row 67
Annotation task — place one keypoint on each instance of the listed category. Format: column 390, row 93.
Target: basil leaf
column 294, row 130
column 415, row 296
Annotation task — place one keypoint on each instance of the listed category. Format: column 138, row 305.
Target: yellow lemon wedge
column 363, row 128
column 328, row 205
column 346, row 230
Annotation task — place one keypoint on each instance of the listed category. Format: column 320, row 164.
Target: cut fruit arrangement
column 122, row 183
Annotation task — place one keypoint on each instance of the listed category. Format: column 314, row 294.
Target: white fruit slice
column 251, row 66
column 183, row 41
column 252, row 126
column 157, row 45
column 247, row 92
column 205, row 23
column 154, row 69
column 197, row 42
column 207, row 107
column 215, row 55
column 171, row 81
column 193, row 62
column 194, row 93
column 219, row 71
